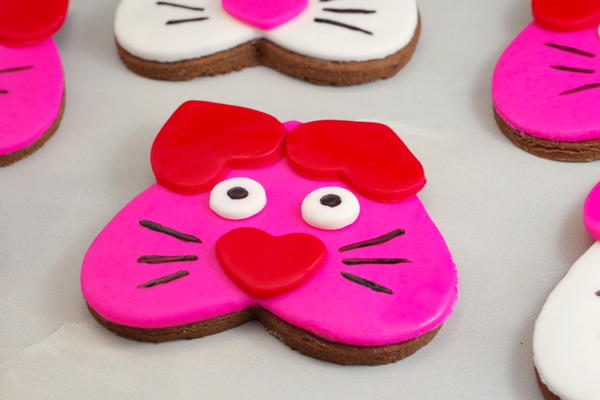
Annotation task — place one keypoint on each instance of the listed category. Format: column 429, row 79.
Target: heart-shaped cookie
column 264, row 14
column 265, row 265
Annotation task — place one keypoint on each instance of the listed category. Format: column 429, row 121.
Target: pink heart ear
column 202, row 141
column 591, row 212
column 264, row 14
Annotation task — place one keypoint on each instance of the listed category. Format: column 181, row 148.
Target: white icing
column 325, row 217
column 393, row 25
column 229, row 208
column 566, row 340
column 140, row 28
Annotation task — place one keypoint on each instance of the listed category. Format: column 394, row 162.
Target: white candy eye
column 238, row 198
column 330, row 208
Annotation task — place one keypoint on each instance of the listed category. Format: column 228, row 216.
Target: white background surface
column 513, row 222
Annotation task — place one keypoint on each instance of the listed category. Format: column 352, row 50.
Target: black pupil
column 237, row 193
column 331, row 200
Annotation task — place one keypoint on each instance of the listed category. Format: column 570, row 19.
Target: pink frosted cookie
column 566, row 340
column 324, row 42
column 546, row 86
column 31, row 76
column 315, row 229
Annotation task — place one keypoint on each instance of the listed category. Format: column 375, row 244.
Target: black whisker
column 357, row 261
column 181, row 21
column 365, row 282
column 165, row 259
column 3, row 91
column 167, row 3
column 573, row 69
column 342, row 25
column 570, row 50
column 16, row 69
column 168, row 231
column 349, row 10
column 581, row 89
column 374, row 241
column 164, row 279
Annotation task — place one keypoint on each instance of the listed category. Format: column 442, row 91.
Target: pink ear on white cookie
column 591, row 212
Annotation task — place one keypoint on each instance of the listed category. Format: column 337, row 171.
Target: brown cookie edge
column 7, row 159
column 548, row 395
column 582, row 151
column 264, row 52
column 296, row 338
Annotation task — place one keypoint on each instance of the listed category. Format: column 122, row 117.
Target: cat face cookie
column 319, row 41
column 546, row 85
column 31, row 77
column 314, row 229
column 566, row 340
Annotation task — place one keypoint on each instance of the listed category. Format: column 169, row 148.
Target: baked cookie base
column 297, row 338
column 265, row 52
column 587, row 150
column 548, row 395
column 7, row 159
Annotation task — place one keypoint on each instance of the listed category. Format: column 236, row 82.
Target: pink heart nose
column 264, row 14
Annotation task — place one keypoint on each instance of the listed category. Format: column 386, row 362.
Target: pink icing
column 424, row 291
column 264, row 14
column 591, row 212
column 34, row 95
column 526, row 87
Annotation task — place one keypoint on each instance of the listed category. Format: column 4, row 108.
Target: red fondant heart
column 264, row 14
column 368, row 156
column 265, row 265
column 26, row 22
column 566, row 15
column 202, row 141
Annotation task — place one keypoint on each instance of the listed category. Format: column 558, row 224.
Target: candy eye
column 238, row 198
column 330, row 208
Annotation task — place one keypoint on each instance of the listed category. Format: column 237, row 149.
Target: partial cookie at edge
column 10, row 158
column 587, row 150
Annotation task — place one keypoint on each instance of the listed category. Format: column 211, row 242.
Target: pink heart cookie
column 336, row 269
column 546, row 86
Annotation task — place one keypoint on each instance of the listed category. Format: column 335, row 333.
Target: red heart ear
column 202, row 141
column 566, row 15
column 369, row 157
column 26, row 22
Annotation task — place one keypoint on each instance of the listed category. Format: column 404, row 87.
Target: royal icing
column 180, row 30
column 566, row 340
column 385, row 278
column 546, row 83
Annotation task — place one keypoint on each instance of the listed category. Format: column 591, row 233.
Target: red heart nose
column 264, row 265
